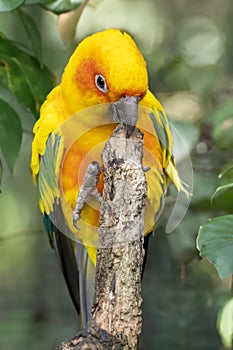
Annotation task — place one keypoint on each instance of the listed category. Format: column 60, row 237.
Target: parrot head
column 106, row 67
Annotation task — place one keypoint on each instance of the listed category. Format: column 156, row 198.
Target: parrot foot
column 145, row 168
column 87, row 190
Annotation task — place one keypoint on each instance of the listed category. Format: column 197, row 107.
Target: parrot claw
column 87, row 190
column 76, row 217
column 145, row 168
column 75, row 225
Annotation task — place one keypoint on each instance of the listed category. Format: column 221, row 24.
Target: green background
column 188, row 48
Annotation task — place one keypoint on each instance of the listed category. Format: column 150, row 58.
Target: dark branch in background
column 117, row 315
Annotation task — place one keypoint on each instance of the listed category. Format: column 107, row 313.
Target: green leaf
column 16, row 81
column 225, row 324
column 9, row 5
column 10, row 134
column 22, row 74
column 223, row 125
column 227, row 172
column 215, row 242
column 0, row 176
column 222, row 189
column 32, row 33
column 57, row 6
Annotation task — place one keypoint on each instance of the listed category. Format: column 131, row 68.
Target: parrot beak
column 125, row 111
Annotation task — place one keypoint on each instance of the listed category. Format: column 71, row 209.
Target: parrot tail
column 77, row 268
column 86, row 270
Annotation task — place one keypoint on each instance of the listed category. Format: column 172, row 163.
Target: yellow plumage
column 56, row 164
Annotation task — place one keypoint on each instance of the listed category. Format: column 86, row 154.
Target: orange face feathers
column 85, row 80
column 112, row 55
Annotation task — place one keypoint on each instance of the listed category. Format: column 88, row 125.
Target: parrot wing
column 76, row 266
column 48, row 175
column 161, row 129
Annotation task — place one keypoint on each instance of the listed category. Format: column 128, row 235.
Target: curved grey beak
column 125, row 111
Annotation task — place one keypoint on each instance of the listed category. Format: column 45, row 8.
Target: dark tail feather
column 86, row 282
column 67, row 260
column 146, row 247
column 77, row 268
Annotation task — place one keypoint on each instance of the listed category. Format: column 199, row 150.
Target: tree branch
column 117, row 315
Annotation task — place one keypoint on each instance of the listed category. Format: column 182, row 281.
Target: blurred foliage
column 57, row 6
column 10, row 134
column 215, row 242
column 188, row 49
column 224, row 323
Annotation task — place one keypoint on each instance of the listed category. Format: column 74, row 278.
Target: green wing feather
column 48, row 177
column 161, row 127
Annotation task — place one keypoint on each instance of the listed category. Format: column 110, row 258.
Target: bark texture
column 117, row 315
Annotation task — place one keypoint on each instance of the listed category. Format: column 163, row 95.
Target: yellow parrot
column 104, row 83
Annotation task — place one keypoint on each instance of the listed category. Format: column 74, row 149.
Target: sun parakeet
column 108, row 73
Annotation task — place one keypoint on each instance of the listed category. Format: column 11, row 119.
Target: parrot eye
column 101, row 83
